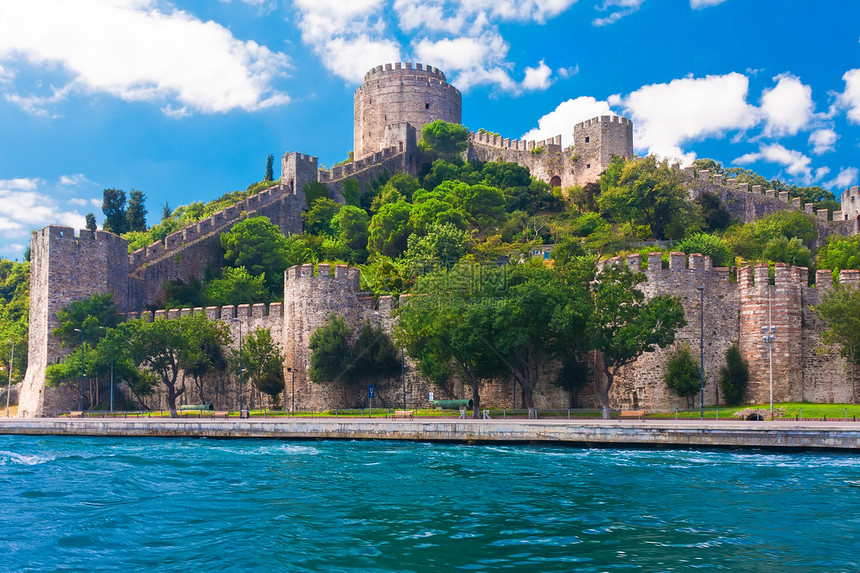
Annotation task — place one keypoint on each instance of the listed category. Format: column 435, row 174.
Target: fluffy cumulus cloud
column 796, row 163
column 460, row 37
column 850, row 98
column 668, row 115
column 136, row 51
column 847, row 177
column 788, row 107
column 822, row 141
column 27, row 205
column 561, row 120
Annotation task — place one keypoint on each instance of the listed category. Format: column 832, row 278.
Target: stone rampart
column 736, row 312
column 64, row 268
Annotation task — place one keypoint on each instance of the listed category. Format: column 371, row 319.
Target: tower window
column 587, row 139
column 588, row 165
column 427, row 105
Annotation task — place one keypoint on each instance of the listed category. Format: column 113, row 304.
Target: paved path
column 595, row 433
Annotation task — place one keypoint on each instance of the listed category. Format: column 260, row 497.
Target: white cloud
column 73, row 180
column 22, row 184
column 822, row 141
column 666, row 116
column 621, row 9
column 562, row 119
column 796, row 163
column 850, row 98
column 788, row 107
column 538, row 78
column 459, row 37
column 134, row 50
column 698, row 4
column 24, row 211
column 846, row 178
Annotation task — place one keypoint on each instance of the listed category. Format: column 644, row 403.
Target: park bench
column 220, row 414
column 632, row 414
column 78, row 414
column 404, row 414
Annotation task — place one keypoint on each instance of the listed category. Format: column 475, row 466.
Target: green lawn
column 790, row 409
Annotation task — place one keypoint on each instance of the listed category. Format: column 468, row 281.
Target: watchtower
column 397, row 94
column 597, row 140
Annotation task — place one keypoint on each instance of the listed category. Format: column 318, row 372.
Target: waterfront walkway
column 589, row 433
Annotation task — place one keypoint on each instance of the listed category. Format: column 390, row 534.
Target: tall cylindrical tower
column 398, row 93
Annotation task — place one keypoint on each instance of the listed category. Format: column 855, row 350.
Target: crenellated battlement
column 350, row 169
column 225, row 313
column 401, row 69
column 202, row 228
column 604, row 119
column 85, row 238
column 493, row 140
column 324, row 278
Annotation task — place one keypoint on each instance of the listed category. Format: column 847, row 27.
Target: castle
column 391, row 107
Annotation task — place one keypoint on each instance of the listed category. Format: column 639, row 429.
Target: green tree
column 263, row 361
column 840, row 311
column 573, row 375
column 542, row 315
column 442, row 245
column 437, row 328
column 166, row 347
column 623, row 325
column 237, row 286
column 840, row 253
column 390, row 229
column 710, row 245
column 91, row 222
column 209, row 357
column 91, row 315
column 330, row 351
column 791, row 251
column 135, row 214
column 318, row 220
column 352, row 224
column 113, row 207
column 734, row 376
column 714, row 214
column 647, row 193
column 259, row 246
column 373, row 357
column 315, row 191
column 445, row 140
column 166, row 212
column 682, row 374
column 270, row 175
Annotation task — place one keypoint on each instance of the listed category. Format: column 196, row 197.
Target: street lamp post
column 9, row 385
column 701, row 351
column 403, row 377
column 82, row 367
column 111, row 387
column 769, row 336
column 240, row 366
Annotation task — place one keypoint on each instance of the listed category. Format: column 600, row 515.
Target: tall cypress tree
column 270, row 175
column 113, row 206
column 135, row 214
column 91, row 222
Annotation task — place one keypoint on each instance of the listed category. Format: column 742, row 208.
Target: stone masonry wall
column 65, row 268
column 400, row 94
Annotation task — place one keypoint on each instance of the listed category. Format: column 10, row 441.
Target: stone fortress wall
column 736, row 312
column 66, row 267
column 596, row 142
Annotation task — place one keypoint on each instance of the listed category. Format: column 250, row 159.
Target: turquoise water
column 82, row 504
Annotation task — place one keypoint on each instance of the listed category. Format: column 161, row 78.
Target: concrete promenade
column 590, row 433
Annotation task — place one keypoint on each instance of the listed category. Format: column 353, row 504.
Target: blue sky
column 183, row 100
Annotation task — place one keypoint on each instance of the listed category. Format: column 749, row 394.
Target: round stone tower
column 399, row 94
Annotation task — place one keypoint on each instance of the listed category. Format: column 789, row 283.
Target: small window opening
column 587, row 139
column 427, row 105
column 588, row 165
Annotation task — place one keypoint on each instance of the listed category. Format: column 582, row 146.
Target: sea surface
column 108, row 504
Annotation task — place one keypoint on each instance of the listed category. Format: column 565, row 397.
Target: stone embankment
column 651, row 434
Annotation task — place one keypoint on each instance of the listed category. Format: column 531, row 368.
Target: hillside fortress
column 391, row 107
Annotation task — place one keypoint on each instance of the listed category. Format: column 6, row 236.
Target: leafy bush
column 709, row 245
column 734, row 376
column 683, row 373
